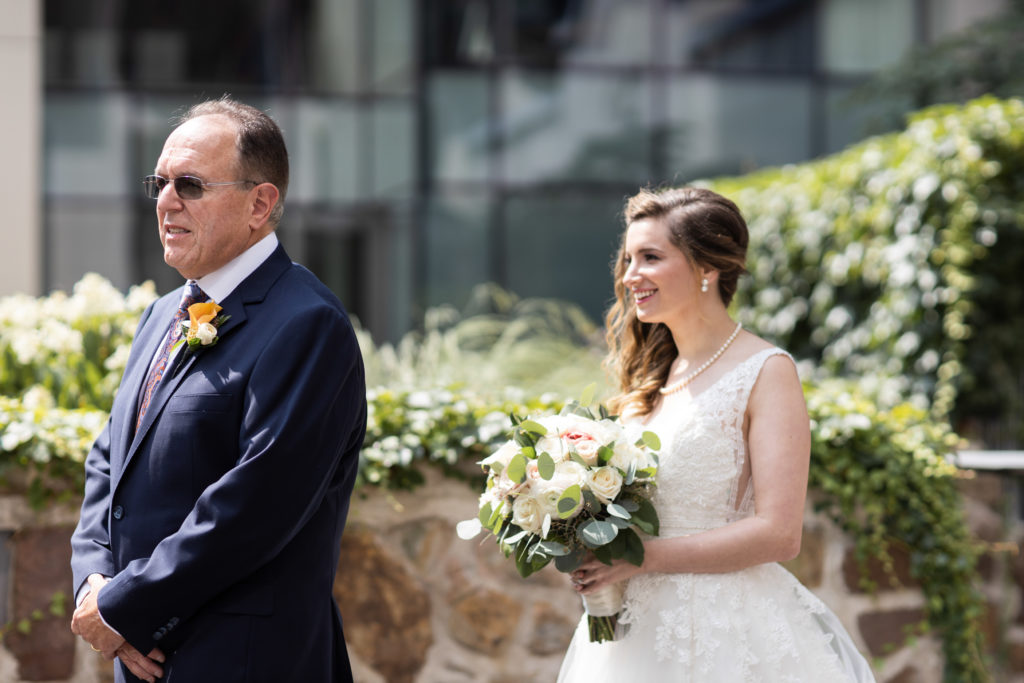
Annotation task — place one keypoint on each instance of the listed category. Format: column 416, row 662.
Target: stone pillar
column 21, row 146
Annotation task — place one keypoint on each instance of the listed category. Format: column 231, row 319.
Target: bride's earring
column 704, row 285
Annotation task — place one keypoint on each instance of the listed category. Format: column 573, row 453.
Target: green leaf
column 516, row 537
column 552, row 548
column 604, row 554
column 618, row 511
column 651, row 440
column 634, row 553
column 588, row 394
column 534, row 427
column 569, row 501
column 596, row 533
column 604, row 454
column 645, row 517
column 485, row 514
column 545, row 466
column 569, row 562
column 517, row 468
column 529, row 452
column 528, row 562
column 628, row 504
column 575, row 457
column 619, row 523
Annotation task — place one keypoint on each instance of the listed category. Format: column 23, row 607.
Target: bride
column 710, row 603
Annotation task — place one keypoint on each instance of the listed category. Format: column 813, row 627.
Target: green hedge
column 898, row 261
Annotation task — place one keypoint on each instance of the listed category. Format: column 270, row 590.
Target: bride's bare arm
column 779, row 441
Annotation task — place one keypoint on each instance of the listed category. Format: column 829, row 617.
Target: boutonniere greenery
column 200, row 330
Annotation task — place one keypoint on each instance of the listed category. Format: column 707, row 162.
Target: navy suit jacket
column 220, row 518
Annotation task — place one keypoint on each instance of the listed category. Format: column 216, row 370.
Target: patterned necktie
column 191, row 295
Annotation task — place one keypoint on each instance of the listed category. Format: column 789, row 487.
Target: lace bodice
column 704, row 475
column 754, row 625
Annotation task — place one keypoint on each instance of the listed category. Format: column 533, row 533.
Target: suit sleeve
column 90, row 542
column 303, row 420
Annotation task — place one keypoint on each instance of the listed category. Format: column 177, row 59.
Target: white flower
column 206, row 333
column 587, row 449
column 605, row 483
column 528, row 514
column 502, row 456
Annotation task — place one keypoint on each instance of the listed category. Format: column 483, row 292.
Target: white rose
column 587, row 449
column 626, row 454
column 567, row 473
column 605, row 483
column 206, row 333
column 503, row 455
column 527, row 514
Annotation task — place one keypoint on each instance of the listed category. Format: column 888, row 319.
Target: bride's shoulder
column 749, row 346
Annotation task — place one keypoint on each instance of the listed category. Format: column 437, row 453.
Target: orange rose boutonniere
column 201, row 327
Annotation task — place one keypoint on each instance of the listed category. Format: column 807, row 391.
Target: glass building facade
column 436, row 144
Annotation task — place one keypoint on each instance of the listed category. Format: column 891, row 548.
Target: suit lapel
column 144, row 347
column 251, row 291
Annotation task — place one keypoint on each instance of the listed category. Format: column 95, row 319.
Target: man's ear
column 263, row 202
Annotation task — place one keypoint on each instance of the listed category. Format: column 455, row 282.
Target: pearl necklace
column 665, row 391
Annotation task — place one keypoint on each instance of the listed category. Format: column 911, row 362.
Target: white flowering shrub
column 898, row 261
column 75, row 347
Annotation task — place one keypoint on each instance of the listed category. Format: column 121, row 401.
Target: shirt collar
column 219, row 284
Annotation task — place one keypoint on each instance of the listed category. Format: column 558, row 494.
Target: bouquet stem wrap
column 602, row 608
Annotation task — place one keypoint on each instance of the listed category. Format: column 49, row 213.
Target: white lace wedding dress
column 758, row 624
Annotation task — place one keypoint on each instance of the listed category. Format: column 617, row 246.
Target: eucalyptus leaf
column 485, row 514
column 651, row 440
column 570, row 562
column 517, row 468
column 552, row 548
column 618, row 511
column 545, row 466
column 468, row 529
column 628, row 504
column 619, row 523
column 569, row 501
column 604, row 454
column 575, row 457
column 596, row 533
column 516, row 537
column 534, row 427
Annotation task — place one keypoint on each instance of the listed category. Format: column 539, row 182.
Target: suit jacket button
column 158, row 635
column 118, row 512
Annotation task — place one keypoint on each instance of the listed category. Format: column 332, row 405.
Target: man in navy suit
column 216, row 495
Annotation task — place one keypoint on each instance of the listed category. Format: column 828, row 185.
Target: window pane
column 324, row 148
column 727, row 125
column 551, row 32
column 393, row 44
column 561, row 246
column 575, row 127
column 861, row 36
column 86, row 150
column 458, row 32
column 459, row 133
column 394, row 148
column 334, row 46
column 747, row 34
column 457, row 247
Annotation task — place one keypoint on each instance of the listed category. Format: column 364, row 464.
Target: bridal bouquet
column 567, row 485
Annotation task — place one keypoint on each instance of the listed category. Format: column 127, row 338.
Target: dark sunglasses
column 186, row 186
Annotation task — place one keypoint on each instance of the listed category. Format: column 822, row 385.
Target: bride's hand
column 593, row 575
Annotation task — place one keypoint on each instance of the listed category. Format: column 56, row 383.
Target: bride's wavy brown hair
column 710, row 231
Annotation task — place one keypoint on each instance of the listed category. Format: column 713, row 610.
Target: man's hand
column 87, row 623
column 146, row 668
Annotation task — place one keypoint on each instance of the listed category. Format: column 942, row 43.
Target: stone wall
column 422, row 606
